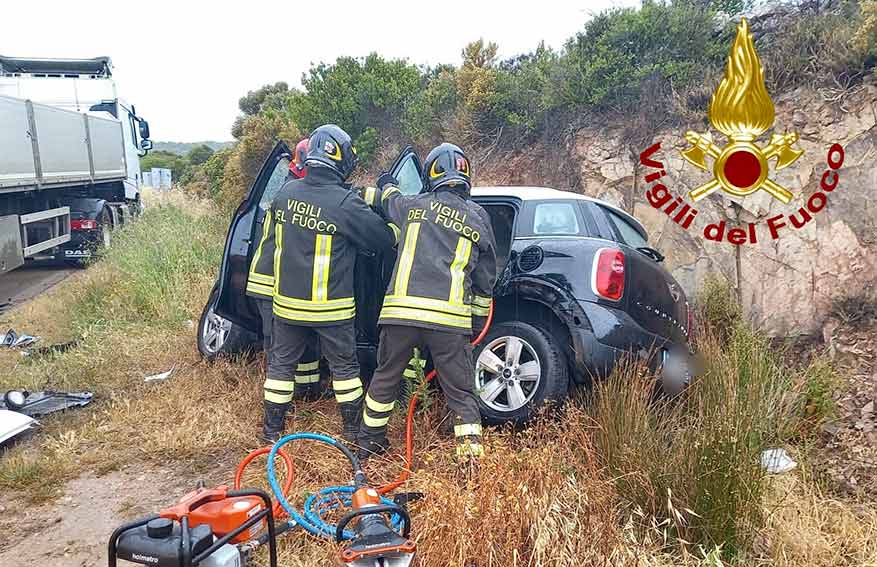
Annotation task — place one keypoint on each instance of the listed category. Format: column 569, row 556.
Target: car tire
column 511, row 389
column 218, row 336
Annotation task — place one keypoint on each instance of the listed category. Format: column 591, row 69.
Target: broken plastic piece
column 13, row 423
column 13, row 340
column 36, row 404
column 162, row 376
column 52, row 349
column 777, row 461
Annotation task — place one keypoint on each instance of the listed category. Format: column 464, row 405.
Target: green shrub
column 692, row 466
column 717, row 306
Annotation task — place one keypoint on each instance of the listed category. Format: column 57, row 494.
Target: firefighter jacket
column 319, row 226
column 446, row 262
column 260, row 278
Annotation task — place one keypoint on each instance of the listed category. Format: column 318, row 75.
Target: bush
column 691, row 467
column 717, row 306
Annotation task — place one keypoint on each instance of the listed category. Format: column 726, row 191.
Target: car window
column 275, row 182
column 502, row 217
column 555, row 218
column 629, row 234
column 409, row 178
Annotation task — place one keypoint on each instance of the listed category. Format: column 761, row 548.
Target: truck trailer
column 70, row 152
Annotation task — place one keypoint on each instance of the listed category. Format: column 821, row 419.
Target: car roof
column 546, row 194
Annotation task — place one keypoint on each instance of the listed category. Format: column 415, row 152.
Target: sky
column 185, row 64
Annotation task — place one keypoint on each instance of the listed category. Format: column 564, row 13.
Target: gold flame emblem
column 741, row 109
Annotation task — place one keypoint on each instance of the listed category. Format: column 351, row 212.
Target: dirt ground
column 67, row 532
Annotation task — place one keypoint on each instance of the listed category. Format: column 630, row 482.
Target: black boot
column 351, row 416
column 272, row 425
column 372, row 444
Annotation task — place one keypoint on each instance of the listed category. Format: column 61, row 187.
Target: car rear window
column 629, row 234
column 551, row 218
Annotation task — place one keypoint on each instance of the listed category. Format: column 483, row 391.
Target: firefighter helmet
column 330, row 146
column 297, row 165
column 447, row 166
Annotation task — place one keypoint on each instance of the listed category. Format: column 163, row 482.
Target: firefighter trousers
column 337, row 343
column 452, row 357
column 308, row 369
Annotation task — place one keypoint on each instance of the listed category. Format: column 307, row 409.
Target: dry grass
column 621, row 481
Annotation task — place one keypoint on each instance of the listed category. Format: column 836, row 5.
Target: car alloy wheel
column 215, row 332
column 507, row 373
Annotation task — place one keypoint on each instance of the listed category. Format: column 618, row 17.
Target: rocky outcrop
column 787, row 284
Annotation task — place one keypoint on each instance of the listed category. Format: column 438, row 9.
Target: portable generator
column 213, row 527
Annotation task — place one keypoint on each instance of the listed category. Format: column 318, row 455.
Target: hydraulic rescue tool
column 219, row 527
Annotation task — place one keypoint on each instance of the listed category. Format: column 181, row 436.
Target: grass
column 616, row 479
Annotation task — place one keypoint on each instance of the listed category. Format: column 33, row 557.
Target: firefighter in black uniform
column 319, row 227
column 260, row 286
column 444, row 274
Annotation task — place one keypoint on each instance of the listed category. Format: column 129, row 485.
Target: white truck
column 70, row 152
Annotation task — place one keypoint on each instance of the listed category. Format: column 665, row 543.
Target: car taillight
column 607, row 277
column 83, row 224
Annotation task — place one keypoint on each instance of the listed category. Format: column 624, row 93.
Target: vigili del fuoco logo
column 742, row 110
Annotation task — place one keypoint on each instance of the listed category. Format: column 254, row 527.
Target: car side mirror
column 145, row 145
column 144, row 129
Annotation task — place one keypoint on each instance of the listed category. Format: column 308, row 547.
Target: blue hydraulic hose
column 325, row 499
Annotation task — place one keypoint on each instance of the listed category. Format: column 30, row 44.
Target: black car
column 578, row 288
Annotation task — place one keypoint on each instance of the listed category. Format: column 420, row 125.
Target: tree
column 267, row 96
column 166, row 160
column 199, row 154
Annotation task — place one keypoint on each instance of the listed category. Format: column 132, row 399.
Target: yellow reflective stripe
column 306, row 304
column 260, row 289
column 389, row 190
column 373, row 405
column 480, row 311
column 322, row 259
column 348, row 396
column 396, row 232
column 260, row 278
column 275, row 384
column 266, row 230
column 406, row 260
column 470, row 450
column 481, row 301
column 409, row 373
column 467, row 429
column 307, row 378
column 278, row 398
column 310, row 316
column 428, row 303
column 369, row 195
column 302, row 366
column 458, row 269
column 278, row 252
column 346, row 384
column 412, row 314
column 375, row 421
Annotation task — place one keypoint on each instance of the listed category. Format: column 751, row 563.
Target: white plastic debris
column 162, row 376
column 777, row 461
column 13, row 423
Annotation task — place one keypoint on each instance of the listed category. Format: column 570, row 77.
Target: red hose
column 287, row 484
column 409, row 420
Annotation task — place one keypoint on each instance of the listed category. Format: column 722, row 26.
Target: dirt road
column 28, row 282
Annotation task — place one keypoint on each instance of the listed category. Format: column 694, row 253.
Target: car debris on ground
column 161, row 376
column 13, row 340
column 37, row 404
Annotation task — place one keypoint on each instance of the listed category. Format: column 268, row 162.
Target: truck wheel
column 219, row 336
column 106, row 229
column 518, row 368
